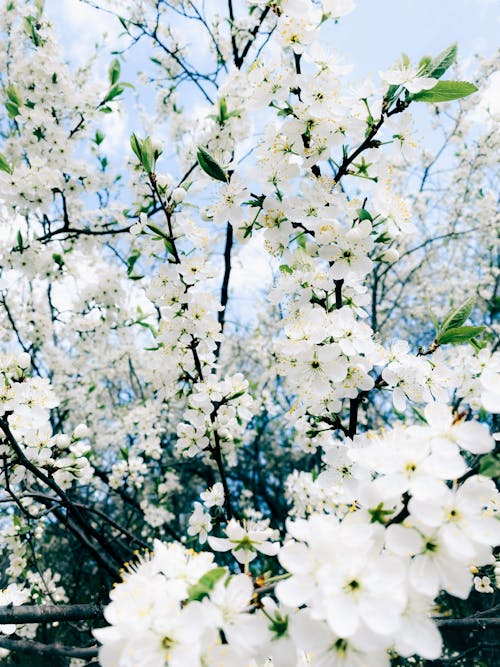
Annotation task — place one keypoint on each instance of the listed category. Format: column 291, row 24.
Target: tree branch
column 49, row 613
column 31, row 647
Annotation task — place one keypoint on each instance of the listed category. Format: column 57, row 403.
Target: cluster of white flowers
column 25, row 404
column 216, row 406
column 173, row 608
column 369, row 572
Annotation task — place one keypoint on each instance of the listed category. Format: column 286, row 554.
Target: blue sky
column 373, row 36
column 380, row 30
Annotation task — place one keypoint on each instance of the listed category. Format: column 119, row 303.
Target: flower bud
column 178, row 195
column 62, row 441
column 390, row 255
column 23, row 360
column 81, row 431
column 163, row 180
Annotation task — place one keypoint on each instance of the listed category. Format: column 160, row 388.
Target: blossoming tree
column 304, row 479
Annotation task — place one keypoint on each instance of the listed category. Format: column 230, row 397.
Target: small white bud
column 390, row 255
column 62, row 440
column 24, row 360
column 157, row 145
column 81, row 431
column 178, row 195
column 164, row 180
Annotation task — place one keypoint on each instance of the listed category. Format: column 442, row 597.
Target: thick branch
column 49, row 613
column 37, row 648
column 470, row 622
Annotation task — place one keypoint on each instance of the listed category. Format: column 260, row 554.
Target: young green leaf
column 442, row 62
column 458, row 316
column 58, row 260
column 205, row 584
column 13, row 95
column 301, row 241
column 445, row 91
column 115, row 90
column 169, row 246
column 145, row 152
column 148, row 155
column 12, row 109
column 490, row 466
column 284, row 268
column 135, row 144
column 134, row 256
column 459, row 335
column 210, row 166
column 114, row 71
column 363, row 214
column 4, row 165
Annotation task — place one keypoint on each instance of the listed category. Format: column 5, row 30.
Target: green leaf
column 205, row 584
column 458, row 316
column 134, row 256
column 58, row 260
column 169, row 246
column 12, row 109
column 114, row 91
column 444, row 91
column 391, row 91
column 222, row 110
column 210, row 166
column 442, row 62
column 166, row 239
column 363, row 214
column 30, row 27
column 424, row 63
column 99, row 137
column 157, row 230
column 490, row 465
column 114, row 71
column 4, row 165
column 148, row 155
column 135, row 144
column 13, row 95
column 459, row 335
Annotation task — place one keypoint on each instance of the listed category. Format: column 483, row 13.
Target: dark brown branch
column 74, row 231
column 224, row 292
column 49, row 613
column 370, row 141
column 236, row 57
column 338, row 294
column 253, row 35
column 31, row 647
column 470, row 622
column 72, row 511
column 403, row 514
